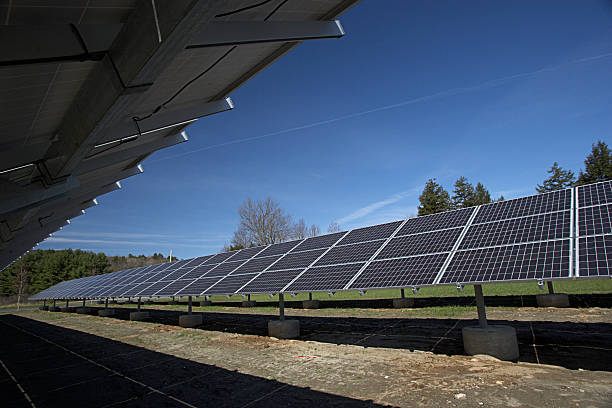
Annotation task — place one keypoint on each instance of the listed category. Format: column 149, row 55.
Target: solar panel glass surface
column 350, row 253
column 256, row 264
column 434, row 222
column 271, row 282
column 420, row 244
column 370, row 233
column 325, row 278
column 595, row 194
column 525, row 206
column 412, row 271
column 229, row 284
column 198, row 286
column 595, row 256
column 297, row 260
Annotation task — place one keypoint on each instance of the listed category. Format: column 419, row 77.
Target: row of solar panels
column 530, row 238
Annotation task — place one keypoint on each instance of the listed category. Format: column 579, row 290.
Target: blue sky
column 349, row 130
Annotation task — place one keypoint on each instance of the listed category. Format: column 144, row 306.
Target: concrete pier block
column 106, row 312
column 400, row 303
column 553, row 300
column 54, row 309
column 44, row 308
column 205, row 303
column 310, row 304
column 248, row 303
column 284, row 329
column 496, row 341
column 192, row 320
column 83, row 310
column 137, row 316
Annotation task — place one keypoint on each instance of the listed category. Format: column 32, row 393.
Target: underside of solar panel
column 564, row 234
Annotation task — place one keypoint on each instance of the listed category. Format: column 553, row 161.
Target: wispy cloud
column 371, row 208
column 126, row 242
column 437, row 95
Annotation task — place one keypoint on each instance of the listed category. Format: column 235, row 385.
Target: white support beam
column 113, row 157
column 32, row 195
column 223, row 33
column 23, row 44
column 173, row 115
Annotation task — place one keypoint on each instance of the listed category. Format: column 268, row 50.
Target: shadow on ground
column 59, row 367
column 567, row 344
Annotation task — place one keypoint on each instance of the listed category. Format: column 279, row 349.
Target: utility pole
column 170, row 255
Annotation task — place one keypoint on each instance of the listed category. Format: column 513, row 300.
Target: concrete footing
column 106, row 312
column 83, row 310
column 496, row 341
column 139, row 316
column 44, row 308
column 284, row 329
column 248, row 303
column 205, row 303
column 553, row 300
column 54, row 309
column 190, row 320
column 400, row 303
column 310, row 304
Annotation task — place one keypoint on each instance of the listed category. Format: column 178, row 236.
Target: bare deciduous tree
column 262, row 223
column 300, row 231
column 333, row 227
column 314, row 231
column 21, row 281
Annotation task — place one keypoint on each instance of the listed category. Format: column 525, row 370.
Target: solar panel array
column 530, row 238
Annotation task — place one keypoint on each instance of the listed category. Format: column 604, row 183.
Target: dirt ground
column 342, row 359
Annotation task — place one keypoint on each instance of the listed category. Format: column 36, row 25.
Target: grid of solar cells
column 539, row 260
column 595, row 256
column 229, row 284
column 541, row 227
column 595, row 194
column 370, row 233
column 172, row 288
column 296, row 260
column 152, row 290
column 420, row 244
column 256, row 264
column 271, row 282
column 350, row 253
column 277, row 249
column 434, row 222
column 402, row 272
column 322, row 241
column 520, row 207
column 223, row 269
column 176, row 274
column 248, row 253
column 218, row 258
column 324, row 278
column 198, row 286
column 198, row 271
column 595, row 220
column 134, row 290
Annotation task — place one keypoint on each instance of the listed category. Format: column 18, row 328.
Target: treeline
column 40, row 269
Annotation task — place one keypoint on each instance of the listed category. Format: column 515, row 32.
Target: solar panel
column 170, row 288
column 434, row 222
column 595, row 220
column 325, row 278
column 521, row 207
column 229, row 284
column 349, row 253
column 223, row 269
column 595, row 256
column 425, row 243
column 370, row 233
column 256, row 264
column 278, row 249
column 297, row 260
column 531, row 261
column 270, row 282
column 595, row 194
column 401, row 272
column 248, row 253
column 198, row 286
column 322, row 241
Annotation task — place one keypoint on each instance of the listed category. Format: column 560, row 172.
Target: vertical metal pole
column 54, row 303
column 66, row 304
column 551, row 290
column 281, row 305
column 189, row 307
column 309, row 295
column 83, row 302
column 403, row 294
column 44, row 302
column 106, row 304
column 139, row 304
column 249, row 297
column 480, row 306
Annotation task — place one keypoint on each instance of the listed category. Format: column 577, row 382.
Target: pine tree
column 559, row 179
column 597, row 165
column 481, row 195
column 434, row 199
column 463, row 193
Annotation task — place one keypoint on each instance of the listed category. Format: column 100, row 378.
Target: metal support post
column 106, row 304
column 551, row 290
column 67, row 304
column 249, row 297
column 83, row 302
column 480, row 306
column 189, row 307
column 403, row 294
column 281, row 305
column 139, row 304
column 44, row 302
column 309, row 295
column 53, row 302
